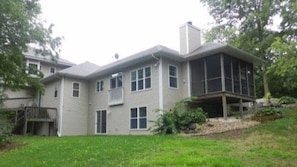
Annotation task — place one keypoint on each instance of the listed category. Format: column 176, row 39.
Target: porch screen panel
column 250, row 74
column 198, row 77
column 243, row 77
column 236, row 84
column 213, row 68
column 228, row 73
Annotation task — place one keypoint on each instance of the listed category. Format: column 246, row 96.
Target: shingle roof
column 81, row 70
column 78, row 71
column 213, row 48
column 149, row 54
column 30, row 54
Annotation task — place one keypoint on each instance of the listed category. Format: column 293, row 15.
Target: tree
column 253, row 21
column 284, row 67
column 20, row 27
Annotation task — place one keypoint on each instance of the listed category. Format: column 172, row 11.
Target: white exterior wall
column 17, row 98
column 75, row 109
column 172, row 95
column 45, row 68
column 118, row 117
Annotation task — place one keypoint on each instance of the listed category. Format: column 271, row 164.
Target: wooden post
column 224, row 102
column 241, row 108
column 254, row 106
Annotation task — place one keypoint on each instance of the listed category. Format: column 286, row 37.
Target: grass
column 271, row 144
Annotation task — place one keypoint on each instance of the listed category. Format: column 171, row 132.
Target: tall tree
column 254, row 20
column 21, row 26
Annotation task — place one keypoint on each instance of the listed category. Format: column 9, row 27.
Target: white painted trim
column 189, row 78
column 161, row 105
column 55, row 70
column 129, row 123
column 61, row 108
column 176, row 76
column 79, row 89
column 136, row 70
column 100, row 85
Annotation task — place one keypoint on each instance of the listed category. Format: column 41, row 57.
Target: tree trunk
column 265, row 83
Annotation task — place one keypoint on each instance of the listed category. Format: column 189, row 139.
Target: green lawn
column 270, row 144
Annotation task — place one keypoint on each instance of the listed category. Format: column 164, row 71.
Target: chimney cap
column 189, row 22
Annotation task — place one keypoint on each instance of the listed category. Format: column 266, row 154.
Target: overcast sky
column 94, row 30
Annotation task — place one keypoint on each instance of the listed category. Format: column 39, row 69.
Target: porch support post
column 224, row 102
column 254, row 106
column 241, row 108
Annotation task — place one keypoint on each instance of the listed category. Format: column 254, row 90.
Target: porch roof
column 214, row 48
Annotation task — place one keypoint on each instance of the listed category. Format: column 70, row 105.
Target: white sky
column 94, row 30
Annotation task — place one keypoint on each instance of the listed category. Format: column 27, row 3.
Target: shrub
column 6, row 129
column 179, row 118
column 269, row 111
column 286, row 100
column 267, row 114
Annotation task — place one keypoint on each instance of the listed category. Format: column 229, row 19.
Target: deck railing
column 116, row 96
column 40, row 113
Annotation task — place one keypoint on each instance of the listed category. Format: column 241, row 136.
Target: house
column 121, row 97
column 20, row 98
column 21, row 104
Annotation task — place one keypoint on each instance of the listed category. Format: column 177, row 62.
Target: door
column 101, row 122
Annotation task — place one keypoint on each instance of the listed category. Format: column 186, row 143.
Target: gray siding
column 118, row 117
column 75, row 109
column 172, row 95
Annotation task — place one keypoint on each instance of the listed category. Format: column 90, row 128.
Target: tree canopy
column 258, row 27
column 21, row 26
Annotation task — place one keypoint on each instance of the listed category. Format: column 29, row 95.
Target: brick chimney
column 190, row 38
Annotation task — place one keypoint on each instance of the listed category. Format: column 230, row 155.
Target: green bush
column 286, row 100
column 269, row 111
column 5, row 132
column 179, row 118
column 6, row 129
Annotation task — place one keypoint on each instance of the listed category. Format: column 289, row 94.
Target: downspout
column 160, row 69
column 61, row 108
column 161, row 105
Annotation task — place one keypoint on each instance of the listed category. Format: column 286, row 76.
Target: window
column 52, row 70
column 75, row 89
column 99, row 86
column 116, row 82
column 33, row 67
column 138, row 118
column 141, row 79
column 172, row 76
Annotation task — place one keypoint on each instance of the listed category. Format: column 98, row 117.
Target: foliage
column 6, row 129
column 179, row 118
column 286, row 100
column 256, row 29
column 267, row 114
column 269, row 111
column 268, row 96
column 284, row 67
column 20, row 28
column 270, row 144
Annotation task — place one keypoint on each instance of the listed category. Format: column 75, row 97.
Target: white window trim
column 144, row 89
column 96, row 122
column 100, row 81
column 116, row 82
column 50, row 70
column 79, row 88
column 28, row 62
column 138, row 129
column 170, row 76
